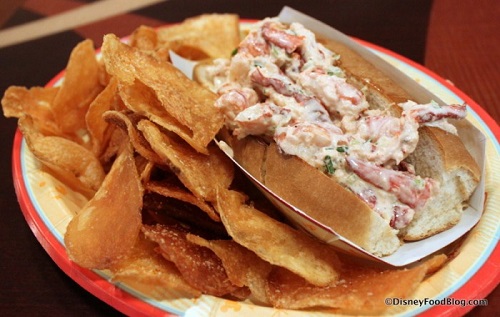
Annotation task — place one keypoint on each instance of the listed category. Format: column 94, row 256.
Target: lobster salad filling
column 285, row 86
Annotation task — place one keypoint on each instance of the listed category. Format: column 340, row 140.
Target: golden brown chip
column 183, row 49
column 166, row 210
column 145, row 168
column 106, row 229
column 201, row 174
column 144, row 38
column 79, row 88
column 69, row 159
column 35, row 102
column 189, row 103
column 167, row 189
column 359, row 291
column 199, row 266
column 142, row 100
column 117, row 139
column 216, row 35
column 277, row 242
column 128, row 122
column 99, row 130
column 147, row 271
column 243, row 267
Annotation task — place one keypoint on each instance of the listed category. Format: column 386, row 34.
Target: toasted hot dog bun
column 330, row 203
column 439, row 155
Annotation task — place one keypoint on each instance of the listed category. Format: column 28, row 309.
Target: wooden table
column 461, row 44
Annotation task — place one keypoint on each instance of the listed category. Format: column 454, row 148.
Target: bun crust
column 382, row 91
column 443, row 157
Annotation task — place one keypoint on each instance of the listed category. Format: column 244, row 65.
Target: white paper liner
column 473, row 139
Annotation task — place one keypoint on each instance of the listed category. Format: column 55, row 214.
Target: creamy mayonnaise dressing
column 284, row 85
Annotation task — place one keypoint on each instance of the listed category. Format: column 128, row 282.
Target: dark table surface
column 456, row 39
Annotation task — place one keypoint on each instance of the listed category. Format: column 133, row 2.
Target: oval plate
column 48, row 206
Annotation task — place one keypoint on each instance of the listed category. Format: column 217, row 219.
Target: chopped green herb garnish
column 330, row 169
column 342, row 149
column 234, row 52
column 335, row 71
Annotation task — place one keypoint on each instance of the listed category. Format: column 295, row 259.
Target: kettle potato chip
column 106, row 229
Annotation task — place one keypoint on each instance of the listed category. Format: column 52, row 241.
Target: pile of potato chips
column 166, row 210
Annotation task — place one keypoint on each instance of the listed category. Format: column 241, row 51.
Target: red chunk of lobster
column 257, row 77
column 402, row 216
column 410, row 189
column 278, row 84
column 254, row 45
column 280, row 38
column 431, row 114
